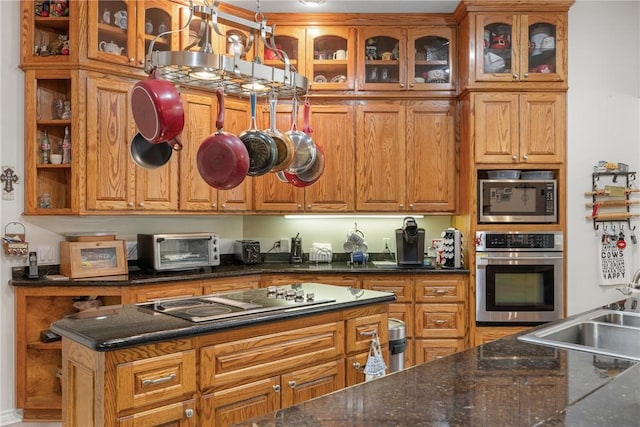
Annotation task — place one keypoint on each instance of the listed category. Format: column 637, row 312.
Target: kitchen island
column 141, row 364
column 503, row 383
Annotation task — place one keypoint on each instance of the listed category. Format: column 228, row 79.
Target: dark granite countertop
column 121, row 326
column 502, row 383
column 137, row 276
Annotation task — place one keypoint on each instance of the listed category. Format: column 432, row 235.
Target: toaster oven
column 162, row 252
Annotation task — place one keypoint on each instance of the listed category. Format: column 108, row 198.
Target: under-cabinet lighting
column 312, row 3
column 351, row 216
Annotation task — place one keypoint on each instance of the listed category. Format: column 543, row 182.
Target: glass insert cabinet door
column 520, row 48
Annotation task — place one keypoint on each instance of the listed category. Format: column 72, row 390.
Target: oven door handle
column 508, row 258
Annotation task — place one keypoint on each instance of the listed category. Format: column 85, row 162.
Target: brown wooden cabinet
column 332, row 126
column 38, row 387
column 487, row 334
column 292, row 41
column 519, row 127
column 441, row 325
column 405, row 157
column 520, row 47
column 114, row 183
column 120, row 31
column 324, row 68
column 398, row 59
column 49, row 95
column 195, row 194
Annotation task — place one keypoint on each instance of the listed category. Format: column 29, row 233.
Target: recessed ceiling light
column 312, row 2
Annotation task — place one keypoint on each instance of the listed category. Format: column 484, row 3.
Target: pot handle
column 294, row 114
column 307, row 118
column 176, row 143
column 273, row 101
column 220, row 118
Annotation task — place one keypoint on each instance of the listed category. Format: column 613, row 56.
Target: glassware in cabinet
column 47, row 35
column 382, row 53
column 49, row 184
column 329, row 58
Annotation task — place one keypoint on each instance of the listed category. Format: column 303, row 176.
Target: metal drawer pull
column 292, row 384
column 160, row 380
column 358, row 367
column 439, row 291
column 440, row 322
column 369, row 333
column 276, row 388
column 188, row 413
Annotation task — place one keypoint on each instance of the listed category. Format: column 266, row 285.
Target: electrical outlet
column 284, row 245
column 46, row 254
column 386, row 245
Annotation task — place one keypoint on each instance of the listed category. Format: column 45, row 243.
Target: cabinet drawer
column 401, row 288
column 440, row 320
column 428, row 350
column 236, row 362
column 441, row 290
column 361, row 329
column 155, row 379
column 181, row 414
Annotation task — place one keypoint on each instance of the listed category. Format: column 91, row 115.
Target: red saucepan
column 223, row 159
column 147, row 154
column 263, row 151
column 157, row 110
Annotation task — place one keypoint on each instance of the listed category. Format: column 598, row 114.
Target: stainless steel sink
column 619, row 318
column 605, row 332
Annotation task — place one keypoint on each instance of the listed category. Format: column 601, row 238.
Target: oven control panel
column 519, row 241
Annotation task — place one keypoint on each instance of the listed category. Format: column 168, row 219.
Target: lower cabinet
column 180, row 414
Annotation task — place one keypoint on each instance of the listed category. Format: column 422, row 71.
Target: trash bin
column 397, row 344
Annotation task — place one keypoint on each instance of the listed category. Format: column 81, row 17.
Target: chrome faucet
column 632, row 291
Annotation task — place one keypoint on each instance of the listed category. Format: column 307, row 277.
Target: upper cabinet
column 121, row 31
column 291, row 41
column 49, row 36
column 396, row 59
column 329, row 58
column 513, row 48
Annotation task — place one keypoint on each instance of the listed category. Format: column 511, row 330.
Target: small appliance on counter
column 410, row 243
column 247, row 251
column 295, row 257
column 161, row 252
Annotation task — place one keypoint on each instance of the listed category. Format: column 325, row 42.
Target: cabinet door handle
column 515, row 76
column 130, row 204
column 276, row 388
column 525, row 157
column 141, row 204
column 514, row 157
column 213, row 205
column 440, row 322
column 159, row 380
column 526, row 75
column 188, row 413
column 292, row 384
column 224, row 206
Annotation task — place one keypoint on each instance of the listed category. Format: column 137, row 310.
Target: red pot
column 157, row 110
column 222, row 159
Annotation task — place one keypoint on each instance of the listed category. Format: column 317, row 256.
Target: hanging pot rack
column 208, row 70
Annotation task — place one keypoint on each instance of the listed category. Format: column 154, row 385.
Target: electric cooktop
column 236, row 304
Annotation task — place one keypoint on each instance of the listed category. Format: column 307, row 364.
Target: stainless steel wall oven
column 519, row 277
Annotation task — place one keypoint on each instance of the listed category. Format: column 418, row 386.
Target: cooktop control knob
column 280, row 291
column 271, row 289
column 310, row 296
column 299, row 295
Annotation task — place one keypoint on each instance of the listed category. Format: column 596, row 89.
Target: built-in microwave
column 517, row 201
column 186, row 251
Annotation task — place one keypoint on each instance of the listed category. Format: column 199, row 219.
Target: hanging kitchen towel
column 614, row 265
column 375, row 366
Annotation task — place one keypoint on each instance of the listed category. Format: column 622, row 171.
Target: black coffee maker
column 295, row 256
column 410, row 243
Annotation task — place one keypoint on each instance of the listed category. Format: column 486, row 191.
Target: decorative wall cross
column 8, row 178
